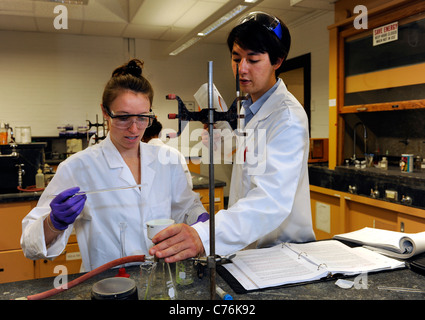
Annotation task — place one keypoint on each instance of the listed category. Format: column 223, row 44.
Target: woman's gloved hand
column 66, row 207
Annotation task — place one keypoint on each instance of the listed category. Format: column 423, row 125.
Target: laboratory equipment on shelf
column 99, row 134
column 354, row 157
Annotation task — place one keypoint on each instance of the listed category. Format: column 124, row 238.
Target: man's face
column 256, row 73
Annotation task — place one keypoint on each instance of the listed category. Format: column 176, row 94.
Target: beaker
column 161, row 285
column 184, row 272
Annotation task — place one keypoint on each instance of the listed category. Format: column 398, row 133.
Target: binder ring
column 322, row 265
column 302, row 253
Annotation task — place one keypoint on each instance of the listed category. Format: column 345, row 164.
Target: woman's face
column 127, row 102
column 256, row 73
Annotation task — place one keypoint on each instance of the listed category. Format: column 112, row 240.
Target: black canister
column 116, row 288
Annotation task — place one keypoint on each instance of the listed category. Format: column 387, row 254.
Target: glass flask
column 161, row 285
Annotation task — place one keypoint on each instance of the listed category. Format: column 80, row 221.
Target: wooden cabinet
column 335, row 212
column 14, row 266
column 69, row 261
column 218, row 198
column 326, row 212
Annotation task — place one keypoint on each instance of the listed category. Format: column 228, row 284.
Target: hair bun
column 133, row 67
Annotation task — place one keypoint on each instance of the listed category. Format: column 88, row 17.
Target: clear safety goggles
column 125, row 121
column 270, row 22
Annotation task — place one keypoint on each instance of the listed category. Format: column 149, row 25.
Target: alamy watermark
column 249, row 149
column 61, row 20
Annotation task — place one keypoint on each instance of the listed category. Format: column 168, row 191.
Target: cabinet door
column 410, row 224
column 325, row 211
column 69, row 260
column 218, row 198
column 15, row 267
column 11, row 215
column 360, row 215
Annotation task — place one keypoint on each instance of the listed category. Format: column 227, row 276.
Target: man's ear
column 278, row 63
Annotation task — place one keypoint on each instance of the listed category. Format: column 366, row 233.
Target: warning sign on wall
column 385, row 34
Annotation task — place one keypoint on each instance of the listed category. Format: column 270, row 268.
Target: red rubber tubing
column 88, row 275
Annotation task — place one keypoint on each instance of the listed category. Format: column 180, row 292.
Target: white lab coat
column 165, row 194
column 269, row 199
column 168, row 158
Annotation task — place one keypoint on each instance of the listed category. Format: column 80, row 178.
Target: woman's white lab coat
column 165, row 194
column 269, row 199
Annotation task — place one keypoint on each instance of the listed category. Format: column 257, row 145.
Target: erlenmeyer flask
column 161, row 285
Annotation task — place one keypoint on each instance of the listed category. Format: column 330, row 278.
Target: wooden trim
column 376, row 11
column 387, row 106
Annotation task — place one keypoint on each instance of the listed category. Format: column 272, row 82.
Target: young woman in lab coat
column 118, row 161
column 269, row 199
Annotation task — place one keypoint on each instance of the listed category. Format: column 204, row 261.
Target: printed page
column 274, row 266
column 340, row 258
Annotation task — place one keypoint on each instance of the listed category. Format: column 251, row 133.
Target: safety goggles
column 125, row 121
column 270, row 22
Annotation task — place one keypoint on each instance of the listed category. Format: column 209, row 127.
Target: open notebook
column 290, row 263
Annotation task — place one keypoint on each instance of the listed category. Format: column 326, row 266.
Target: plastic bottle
column 39, row 179
column 3, row 134
column 384, row 163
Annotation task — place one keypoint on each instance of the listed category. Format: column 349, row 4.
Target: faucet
column 21, row 172
column 13, row 154
column 364, row 139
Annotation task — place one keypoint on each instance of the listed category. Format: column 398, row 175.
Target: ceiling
column 167, row 20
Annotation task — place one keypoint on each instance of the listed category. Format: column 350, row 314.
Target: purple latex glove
column 202, row 218
column 66, row 207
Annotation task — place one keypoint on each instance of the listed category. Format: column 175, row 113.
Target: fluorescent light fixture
column 218, row 23
column 83, row 2
column 225, row 14
column 185, row 45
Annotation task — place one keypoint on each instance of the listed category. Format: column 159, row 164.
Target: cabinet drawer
column 205, row 198
column 11, row 215
column 69, row 258
column 15, row 267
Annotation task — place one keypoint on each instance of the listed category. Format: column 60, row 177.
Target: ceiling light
column 221, row 17
column 185, row 45
column 218, row 23
column 84, row 2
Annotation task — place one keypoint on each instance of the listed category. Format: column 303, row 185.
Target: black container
column 116, row 288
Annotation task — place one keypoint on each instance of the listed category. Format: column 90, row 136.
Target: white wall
column 313, row 37
column 48, row 80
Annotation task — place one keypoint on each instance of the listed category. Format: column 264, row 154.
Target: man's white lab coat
column 269, row 199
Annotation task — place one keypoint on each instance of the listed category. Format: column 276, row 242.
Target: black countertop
column 378, row 285
column 407, row 184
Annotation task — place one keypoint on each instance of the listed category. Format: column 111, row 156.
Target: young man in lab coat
column 269, row 200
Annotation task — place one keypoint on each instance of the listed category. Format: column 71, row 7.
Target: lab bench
column 402, row 284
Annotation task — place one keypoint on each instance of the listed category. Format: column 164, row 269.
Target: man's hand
column 177, row 242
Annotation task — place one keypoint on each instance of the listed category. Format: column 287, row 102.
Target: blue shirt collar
column 254, row 107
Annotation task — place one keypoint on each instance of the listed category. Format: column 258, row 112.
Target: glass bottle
column 161, row 285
